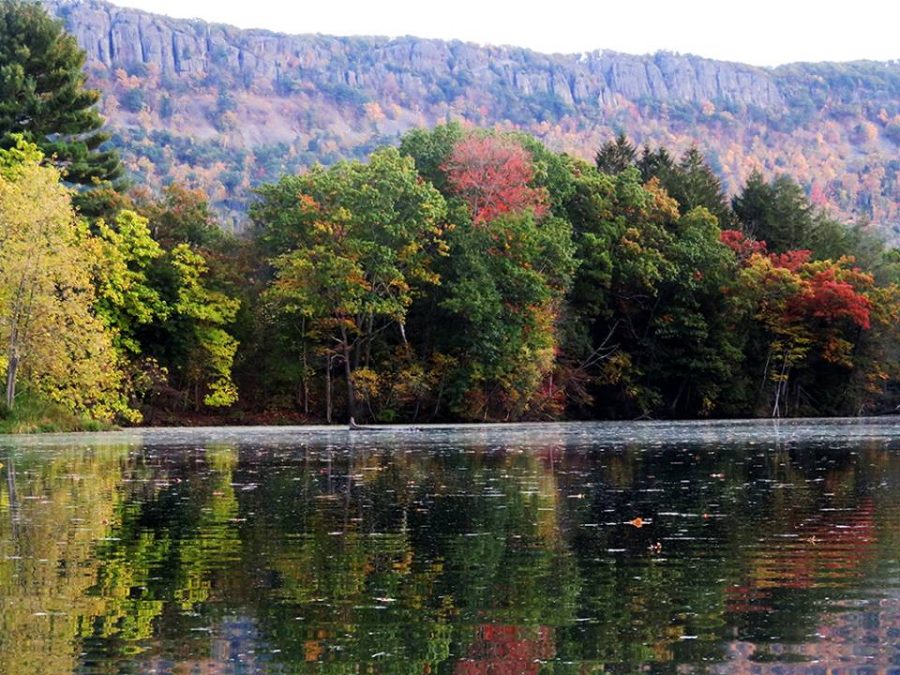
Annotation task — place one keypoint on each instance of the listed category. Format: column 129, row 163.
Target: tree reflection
column 52, row 514
column 478, row 559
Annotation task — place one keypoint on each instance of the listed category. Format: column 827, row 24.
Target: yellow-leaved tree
column 50, row 335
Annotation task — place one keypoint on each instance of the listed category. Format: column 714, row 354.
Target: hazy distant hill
column 224, row 109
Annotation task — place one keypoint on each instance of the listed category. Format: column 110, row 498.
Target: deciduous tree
column 351, row 247
column 493, row 176
column 48, row 326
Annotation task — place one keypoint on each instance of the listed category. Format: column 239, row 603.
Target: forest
column 467, row 275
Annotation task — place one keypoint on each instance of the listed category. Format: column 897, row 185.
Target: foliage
column 812, row 319
column 779, row 213
column 655, row 330
column 471, row 275
column 508, row 267
column 180, row 216
column 615, row 156
column 690, row 182
column 208, row 349
column 492, row 176
column 504, row 286
column 125, row 299
column 352, row 246
column 43, row 97
column 48, row 327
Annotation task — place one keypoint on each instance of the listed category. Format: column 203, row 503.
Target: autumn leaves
column 478, row 276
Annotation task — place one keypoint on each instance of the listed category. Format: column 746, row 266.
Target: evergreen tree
column 754, row 210
column 655, row 163
column 691, row 182
column 43, row 96
column 696, row 185
column 614, row 157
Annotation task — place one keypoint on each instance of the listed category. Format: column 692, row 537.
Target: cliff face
column 224, row 109
column 117, row 37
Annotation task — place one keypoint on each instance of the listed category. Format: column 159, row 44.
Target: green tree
column 775, row 212
column 43, row 96
column 126, row 299
column 48, row 325
column 181, row 216
column 656, row 163
column 430, row 149
column 779, row 213
column 652, row 331
column 509, row 266
column 615, row 156
column 350, row 247
column 695, row 343
column 690, row 181
column 199, row 323
column 505, row 282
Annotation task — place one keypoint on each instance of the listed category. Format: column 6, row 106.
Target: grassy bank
column 32, row 414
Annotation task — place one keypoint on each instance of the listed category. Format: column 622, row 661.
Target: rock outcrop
column 118, row 37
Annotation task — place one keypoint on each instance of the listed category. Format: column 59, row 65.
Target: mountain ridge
column 322, row 98
column 121, row 36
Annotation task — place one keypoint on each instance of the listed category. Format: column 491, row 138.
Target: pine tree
column 776, row 212
column 691, row 182
column 614, row 157
column 656, row 163
column 43, row 96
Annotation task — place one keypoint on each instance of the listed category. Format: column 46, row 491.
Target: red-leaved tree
column 742, row 245
column 492, row 176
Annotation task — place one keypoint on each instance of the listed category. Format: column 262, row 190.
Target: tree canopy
column 467, row 275
column 48, row 328
column 43, row 97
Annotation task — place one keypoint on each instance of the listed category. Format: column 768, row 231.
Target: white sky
column 760, row 32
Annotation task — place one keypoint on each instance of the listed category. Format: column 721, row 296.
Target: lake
column 763, row 547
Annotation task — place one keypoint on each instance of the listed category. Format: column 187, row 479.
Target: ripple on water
column 757, row 546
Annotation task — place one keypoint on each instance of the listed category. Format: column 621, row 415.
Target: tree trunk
column 12, row 368
column 781, row 387
column 328, row 389
column 762, row 384
column 305, row 365
column 357, row 348
column 348, row 373
column 11, row 381
column 369, row 322
column 437, row 403
column 674, row 406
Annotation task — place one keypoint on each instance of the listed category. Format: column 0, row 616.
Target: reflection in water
column 514, row 550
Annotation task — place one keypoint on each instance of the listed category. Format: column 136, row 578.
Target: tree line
column 467, row 274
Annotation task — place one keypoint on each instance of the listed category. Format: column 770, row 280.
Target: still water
column 711, row 547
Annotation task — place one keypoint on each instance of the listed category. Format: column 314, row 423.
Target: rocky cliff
column 225, row 108
column 116, row 37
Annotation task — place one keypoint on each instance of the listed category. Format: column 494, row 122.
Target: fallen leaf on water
column 637, row 522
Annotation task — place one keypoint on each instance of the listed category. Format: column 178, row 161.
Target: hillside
column 224, row 109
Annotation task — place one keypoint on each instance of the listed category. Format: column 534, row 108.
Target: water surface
column 692, row 547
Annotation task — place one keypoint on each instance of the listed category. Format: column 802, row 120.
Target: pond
column 683, row 547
